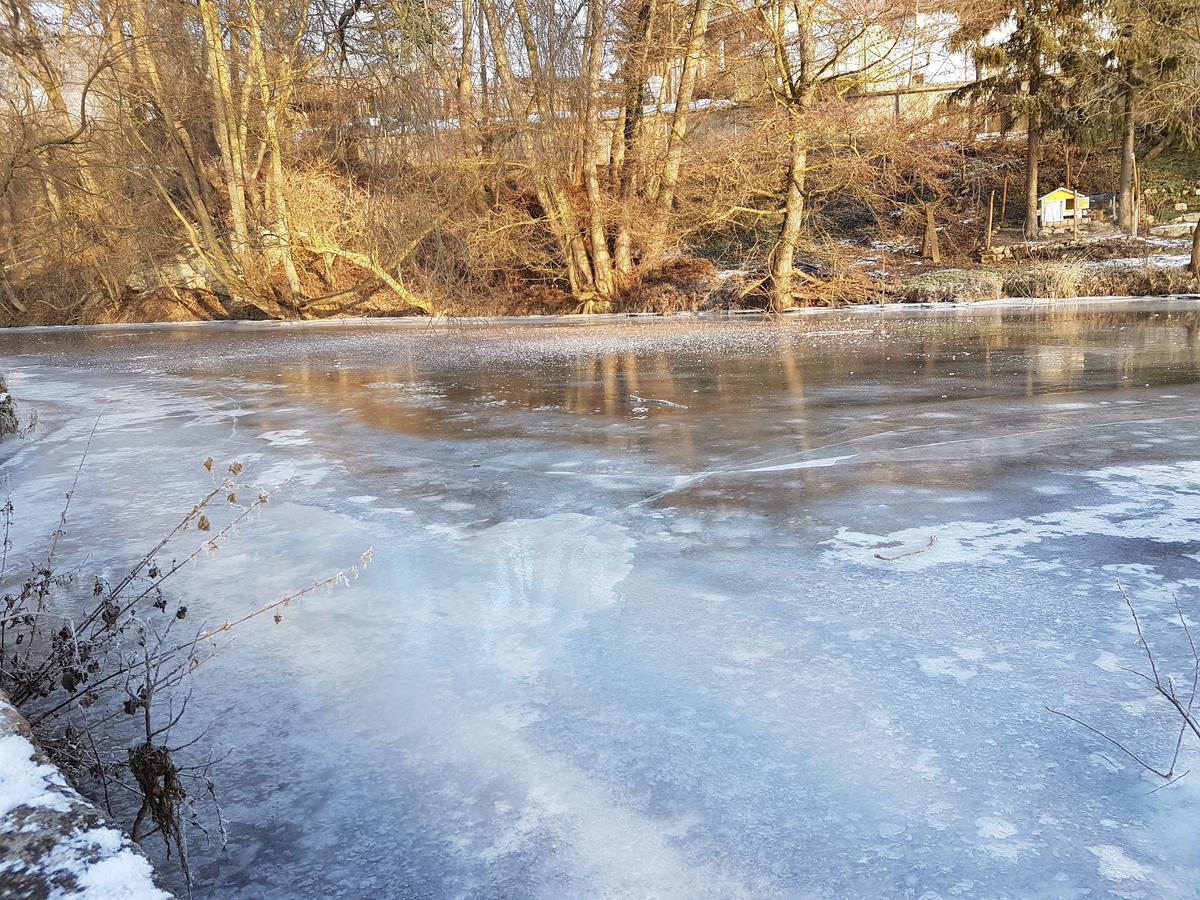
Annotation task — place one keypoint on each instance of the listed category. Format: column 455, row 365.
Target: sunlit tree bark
column 668, row 179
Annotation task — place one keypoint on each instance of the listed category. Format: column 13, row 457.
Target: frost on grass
column 52, row 842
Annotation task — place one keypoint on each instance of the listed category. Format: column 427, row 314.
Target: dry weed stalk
column 80, row 666
column 1164, row 687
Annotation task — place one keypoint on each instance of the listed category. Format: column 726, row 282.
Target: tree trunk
column 1125, row 199
column 226, row 128
column 783, row 257
column 1033, row 158
column 597, row 233
column 616, row 152
column 484, row 109
column 625, row 173
column 1194, row 267
column 798, row 86
column 199, row 229
column 464, row 85
column 988, row 234
column 551, row 195
column 271, row 105
column 669, row 177
column 368, row 264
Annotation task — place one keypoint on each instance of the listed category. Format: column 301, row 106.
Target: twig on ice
column 1096, row 731
column 1168, row 784
column 1165, row 689
column 932, row 541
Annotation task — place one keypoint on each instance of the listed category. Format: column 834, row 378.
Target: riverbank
column 456, row 324
column 843, row 273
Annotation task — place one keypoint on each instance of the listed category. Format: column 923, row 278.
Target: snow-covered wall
column 53, row 843
column 8, row 410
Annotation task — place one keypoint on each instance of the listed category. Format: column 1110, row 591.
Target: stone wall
column 8, row 410
column 53, row 842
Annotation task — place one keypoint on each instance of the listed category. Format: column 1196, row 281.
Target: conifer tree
column 1030, row 56
column 1172, row 87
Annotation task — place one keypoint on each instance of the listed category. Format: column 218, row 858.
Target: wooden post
column 1003, row 199
column 1074, row 200
column 987, row 238
column 929, row 243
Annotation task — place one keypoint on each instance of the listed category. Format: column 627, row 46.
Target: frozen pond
column 627, row 633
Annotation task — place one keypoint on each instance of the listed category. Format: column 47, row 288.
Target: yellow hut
column 1062, row 205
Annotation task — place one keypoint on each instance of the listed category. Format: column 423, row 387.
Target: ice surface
column 626, row 633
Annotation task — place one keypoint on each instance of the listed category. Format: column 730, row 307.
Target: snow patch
column 291, row 437
column 993, row 828
column 26, row 782
column 119, row 874
column 1159, row 503
column 944, row 667
column 1116, row 865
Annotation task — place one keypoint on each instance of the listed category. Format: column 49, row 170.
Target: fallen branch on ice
column 932, row 541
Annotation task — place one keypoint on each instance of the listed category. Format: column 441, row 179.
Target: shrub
column 954, row 286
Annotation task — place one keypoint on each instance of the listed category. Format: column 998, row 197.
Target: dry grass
column 1047, row 281
column 954, row 286
column 1138, row 281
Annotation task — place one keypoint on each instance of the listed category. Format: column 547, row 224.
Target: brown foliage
column 286, row 160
